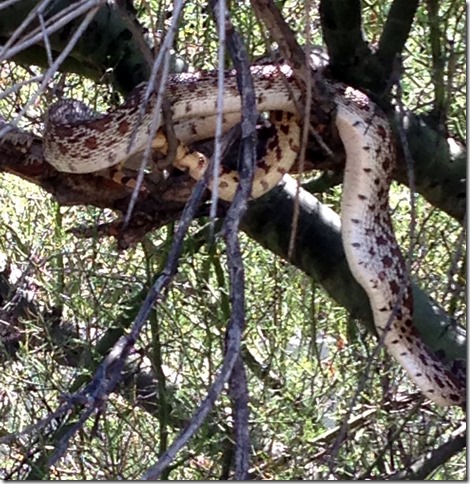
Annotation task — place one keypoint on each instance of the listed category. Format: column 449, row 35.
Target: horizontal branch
column 319, row 253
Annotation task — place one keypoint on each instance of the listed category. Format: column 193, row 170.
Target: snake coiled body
column 95, row 144
column 91, row 145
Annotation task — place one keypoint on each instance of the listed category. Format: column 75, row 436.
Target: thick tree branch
column 319, row 253
column 351, row 59
column 342, row 32
column 439, row 164
column 395, row 32
column 108, row 45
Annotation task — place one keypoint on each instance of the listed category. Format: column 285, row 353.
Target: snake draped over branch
column 82, row 142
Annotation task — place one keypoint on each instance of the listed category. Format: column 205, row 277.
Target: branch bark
column 395, row 32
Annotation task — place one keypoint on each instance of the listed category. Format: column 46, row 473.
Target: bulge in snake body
column 89, row 146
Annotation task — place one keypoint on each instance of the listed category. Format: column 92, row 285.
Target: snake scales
column 84, row 144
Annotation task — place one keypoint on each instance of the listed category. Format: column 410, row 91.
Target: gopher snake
column 90, row 145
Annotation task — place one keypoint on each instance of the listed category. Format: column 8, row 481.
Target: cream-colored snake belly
column 91, row 145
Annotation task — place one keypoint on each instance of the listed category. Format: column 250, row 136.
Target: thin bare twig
column 423, row 467
column 16, row 34
column 45, row 36
column 221, row 11
column 109, row 373
column 305, row 132
column 7, row 3
column 162, row 58
column 55, row 23
column 53, row 68
column 18, row 85
column 35, row 428
column 249, row 117
column 238, row 391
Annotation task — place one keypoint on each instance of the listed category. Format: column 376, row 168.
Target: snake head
column 68, row 111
